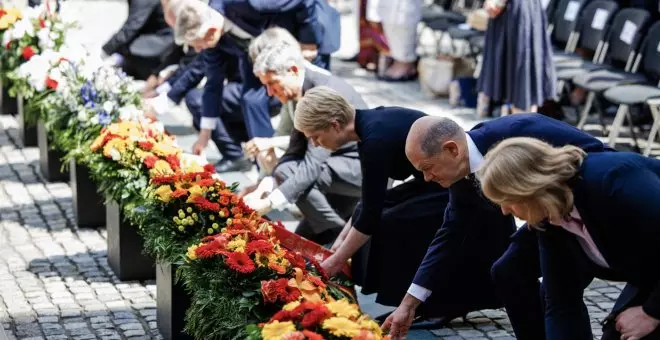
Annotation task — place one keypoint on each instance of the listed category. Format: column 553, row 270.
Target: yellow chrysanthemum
column 194, row 192
column 343, row 308
column 115, row 148
column 161, row 167
column 291, row 306
column 339, row 326
column 370, row 325
column 165, row 149
column 191, row 252
column 276, row 330
column 164, row 193
column 236, row 245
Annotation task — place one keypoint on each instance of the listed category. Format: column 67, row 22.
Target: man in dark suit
column 142, row 41
column 324, row 185
column 399, row 222
column 475, row 233
column 227, row 33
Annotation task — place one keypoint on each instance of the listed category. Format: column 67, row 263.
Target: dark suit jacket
column 383, row 132
column 474, row 229
column 145, row 32
column 309, row 169
column 618, row 198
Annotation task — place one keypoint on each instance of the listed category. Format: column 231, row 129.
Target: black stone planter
column 27, row 133
column 125, row 247
column 172, row 301
column 88, row 206
column 50, row 160
column 8, row 105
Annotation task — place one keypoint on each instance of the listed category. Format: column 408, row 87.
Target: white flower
column 108, row 106
column 21, row 28
column 83, row 116
column 116, row 156
column 129, row 112
column 94, row 120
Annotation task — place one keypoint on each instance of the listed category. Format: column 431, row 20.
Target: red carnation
column 315, row 317
column 28, row 52
column 316, row 281
column 204, row 204
column 273, row 289
column 146, row 145
column 8, row 45
column 179, row 193
column 173, row 160
column 295, row 259
column 312, row 336
column 51, row 83
column 207, row 182
column 209, row 168
column 42, row 23
column 2, row 12
column 150, row 161
column 258, row 246
column 240, row 262
column 209, row 250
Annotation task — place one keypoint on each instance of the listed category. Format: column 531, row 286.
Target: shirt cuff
column 277, row 199
column 162, row 103
column 419, row 292
column 208, row 123
column 163, row 88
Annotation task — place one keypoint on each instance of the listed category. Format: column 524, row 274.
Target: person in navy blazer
column 230, row 25
column 475, row 234
column 600, row 217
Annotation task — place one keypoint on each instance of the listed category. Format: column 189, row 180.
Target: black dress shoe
column 350, row 59
column 434, row 323
column 229, row 165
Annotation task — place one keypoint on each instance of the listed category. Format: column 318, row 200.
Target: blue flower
column 104, row 118
column 88, row 92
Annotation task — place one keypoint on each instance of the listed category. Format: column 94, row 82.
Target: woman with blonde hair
column 599, row 216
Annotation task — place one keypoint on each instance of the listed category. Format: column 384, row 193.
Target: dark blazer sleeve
column 441, row 258
column 138, row 14
column 375, row 171
column 633, row 193
column 187, row 79
column 310, row 28
column 215, row 67
column 306, row 174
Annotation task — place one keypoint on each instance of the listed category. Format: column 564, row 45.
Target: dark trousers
column 139, row 67
column 567, row 271
column 230, row 130
column 326, row 205
column 516, row 277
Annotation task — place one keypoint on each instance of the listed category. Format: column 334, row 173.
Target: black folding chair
column 629, row 95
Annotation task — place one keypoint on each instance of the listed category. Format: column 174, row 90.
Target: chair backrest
column 566, row 19
column 649, row 53
column 625, row 34
column 594, row 23
column 550, row 6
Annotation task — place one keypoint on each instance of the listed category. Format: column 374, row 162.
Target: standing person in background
column 372, row 39
column 518, row 68
column 400, row 19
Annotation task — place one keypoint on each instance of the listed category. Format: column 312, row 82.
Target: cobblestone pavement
column 55, row 282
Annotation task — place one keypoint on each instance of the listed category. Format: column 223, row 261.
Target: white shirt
column 475, row 159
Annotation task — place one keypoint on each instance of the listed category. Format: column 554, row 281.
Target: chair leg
column 654, row 129
column 616, row 124
column 586, row 110
column 633, row 134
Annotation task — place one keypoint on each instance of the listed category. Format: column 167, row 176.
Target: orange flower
column 312, row 336
column 308, row 290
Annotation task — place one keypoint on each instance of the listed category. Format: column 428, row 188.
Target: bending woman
column 599, row 216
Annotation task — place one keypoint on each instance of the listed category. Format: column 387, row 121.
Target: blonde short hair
column 531, row 172
column 321, row 106
column 193, row 19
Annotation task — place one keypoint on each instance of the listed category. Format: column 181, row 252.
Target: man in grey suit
column 325, row 185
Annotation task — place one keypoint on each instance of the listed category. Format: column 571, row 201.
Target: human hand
column 494, row 7
column 258, row 144
column 150, row 84
column 634, row 324
column 260, row 205
column 247, row 190
column 309, row 51
column 200, row 144
column 333, row 265
column 400, row 320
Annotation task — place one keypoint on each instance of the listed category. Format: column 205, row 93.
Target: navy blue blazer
column 618, row 198
column 383, row 132
column 470, row 218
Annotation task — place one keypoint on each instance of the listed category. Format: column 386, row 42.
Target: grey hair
column 437, row 133
column 269, row 38
column 193, row 19
column 278, row 59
